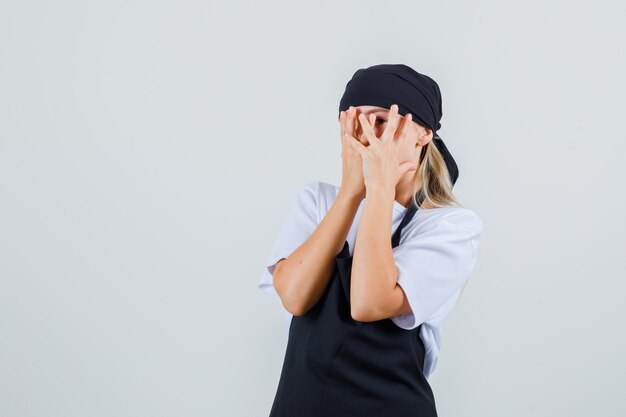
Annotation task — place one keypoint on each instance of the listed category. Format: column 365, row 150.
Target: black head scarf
column 386, row 84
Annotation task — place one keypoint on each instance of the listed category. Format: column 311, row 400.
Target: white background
column 150, row 150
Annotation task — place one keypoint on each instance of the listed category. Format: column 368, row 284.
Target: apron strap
column 408, row 215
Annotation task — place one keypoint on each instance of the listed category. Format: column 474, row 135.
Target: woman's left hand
column 380, row 158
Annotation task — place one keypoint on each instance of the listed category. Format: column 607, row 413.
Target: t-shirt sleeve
column 299, row 225
column 433, row 266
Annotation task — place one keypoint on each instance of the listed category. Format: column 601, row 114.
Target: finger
column 347, row 135
column 372, row 120
column 359, row 131
column 355, row 144
column 346, row 141
column 407, row 167
column 387, row 140
column 356, row 128
column 342, row 122
column 368, row 131
column 392, row 123
column 403, row 129
column 351, row 120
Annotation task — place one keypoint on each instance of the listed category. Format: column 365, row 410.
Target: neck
column 404, row 188
column 404, row 193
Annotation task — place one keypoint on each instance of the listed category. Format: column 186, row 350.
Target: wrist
column 349, row 196
column 382, row 191
column 382, row 194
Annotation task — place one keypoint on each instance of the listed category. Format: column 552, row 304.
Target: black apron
column 336, row 366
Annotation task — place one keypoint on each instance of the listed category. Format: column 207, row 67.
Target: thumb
column 355, row 144
column 407, row 167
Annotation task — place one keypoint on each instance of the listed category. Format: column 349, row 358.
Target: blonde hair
column 433, row 180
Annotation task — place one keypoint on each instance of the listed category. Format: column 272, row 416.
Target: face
column 409, row 150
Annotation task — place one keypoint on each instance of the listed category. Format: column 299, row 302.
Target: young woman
column 368, row 271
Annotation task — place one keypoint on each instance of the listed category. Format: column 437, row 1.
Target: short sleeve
column 298, row 226
column 434, row 264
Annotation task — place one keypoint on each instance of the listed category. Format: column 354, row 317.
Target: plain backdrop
column 150, row 151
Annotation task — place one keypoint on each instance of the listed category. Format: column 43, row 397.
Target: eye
column 380, row 118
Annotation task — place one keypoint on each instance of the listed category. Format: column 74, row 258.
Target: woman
column 365, row 276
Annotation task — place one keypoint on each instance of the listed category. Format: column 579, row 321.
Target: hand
column 352, row 181
column 380, row 158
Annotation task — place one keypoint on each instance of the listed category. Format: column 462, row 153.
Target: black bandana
column 386, row 84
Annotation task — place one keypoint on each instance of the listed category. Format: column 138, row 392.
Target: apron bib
column 336, row 366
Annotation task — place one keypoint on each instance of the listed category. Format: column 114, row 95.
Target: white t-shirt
column 435, row 257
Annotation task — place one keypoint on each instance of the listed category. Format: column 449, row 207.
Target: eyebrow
column 372, row 111
column 381, row 110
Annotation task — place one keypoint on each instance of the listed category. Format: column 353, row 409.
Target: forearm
column 374, row 273
column 303, row 276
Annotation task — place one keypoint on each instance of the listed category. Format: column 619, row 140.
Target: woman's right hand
column 352, row 180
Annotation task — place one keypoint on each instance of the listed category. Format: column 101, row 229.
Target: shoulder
column 451, row 221
column 324, row 189
column 463, row 217
column 313, row 199
column 319, row 187
column 322, row 193
column 308, row 193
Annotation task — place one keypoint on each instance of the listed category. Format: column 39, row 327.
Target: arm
column 431, row 268
column 300, row 279
column 374, row 292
